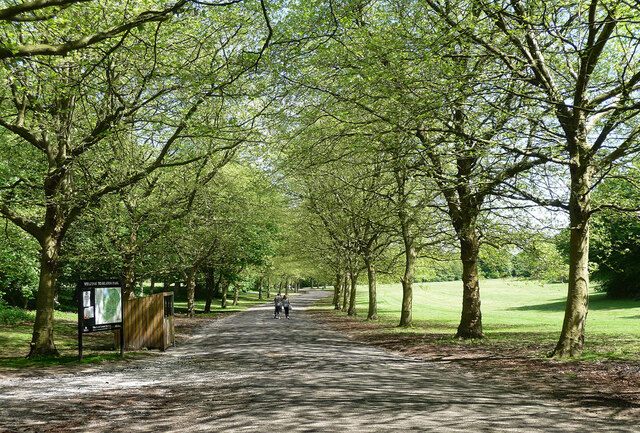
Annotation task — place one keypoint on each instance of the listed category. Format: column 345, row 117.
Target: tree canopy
column 264, row 142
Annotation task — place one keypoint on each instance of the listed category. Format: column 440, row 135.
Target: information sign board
column 99, row 307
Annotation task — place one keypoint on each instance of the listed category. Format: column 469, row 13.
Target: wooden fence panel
column 145, row 325
column 157, row 321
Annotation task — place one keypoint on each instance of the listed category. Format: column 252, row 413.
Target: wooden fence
column 148, row 322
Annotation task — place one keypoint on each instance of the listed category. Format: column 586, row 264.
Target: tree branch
column 12, row 13
column 62, row 49
column 24, row 133
column 27, row 225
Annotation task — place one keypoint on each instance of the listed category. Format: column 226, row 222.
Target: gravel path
column 249, row 372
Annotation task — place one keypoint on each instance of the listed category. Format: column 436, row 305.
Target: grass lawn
column 514, row 312
column 99, row 346
column 15, row 339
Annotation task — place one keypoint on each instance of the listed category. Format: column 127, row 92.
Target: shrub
column 11, row 315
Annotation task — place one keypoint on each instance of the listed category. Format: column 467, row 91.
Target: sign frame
column 88, row 309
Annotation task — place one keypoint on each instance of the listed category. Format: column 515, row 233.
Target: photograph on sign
column 108, row 302
column 88, row 313
column 86, row 298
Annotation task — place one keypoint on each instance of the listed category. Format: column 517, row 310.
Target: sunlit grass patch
column 516, row 315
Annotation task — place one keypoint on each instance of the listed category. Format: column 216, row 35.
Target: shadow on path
column 250, row 372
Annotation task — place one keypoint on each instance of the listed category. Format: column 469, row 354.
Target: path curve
column 250, row 372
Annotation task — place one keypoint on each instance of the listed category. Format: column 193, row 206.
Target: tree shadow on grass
column 599, row 301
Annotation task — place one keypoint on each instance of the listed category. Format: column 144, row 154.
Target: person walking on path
column 278, row 301
column 287, row 306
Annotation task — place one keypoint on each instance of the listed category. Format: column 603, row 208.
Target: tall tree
column 71, row 116
column 434, row 96
column 578, row 64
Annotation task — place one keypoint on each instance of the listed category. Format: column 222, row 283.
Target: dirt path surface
column 250, row 372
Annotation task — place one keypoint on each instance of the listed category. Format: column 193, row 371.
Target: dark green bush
column 10, row 315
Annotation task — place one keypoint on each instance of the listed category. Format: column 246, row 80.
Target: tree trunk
column 286, row 287
column 268, row 288
column 166, row 286
column 58, row 189
column 336, row 291
column 345, row 292
column 190, row 281
column 471, row 320
column 153, row 285
column 571, row 340
column 42, row 343
column 406, row 314
column 352, row 296
column 225, row 289
column 129, row 277
column 260, row 288
column 216, row 288
column 209, row 283
column 410, row 252
column 372, row 314
column 236, row 292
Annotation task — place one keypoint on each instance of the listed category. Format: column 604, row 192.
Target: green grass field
column 514, row 312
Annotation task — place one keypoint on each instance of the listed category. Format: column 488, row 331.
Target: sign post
column 99, row 309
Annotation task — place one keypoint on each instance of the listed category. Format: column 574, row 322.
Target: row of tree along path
column 251, row 372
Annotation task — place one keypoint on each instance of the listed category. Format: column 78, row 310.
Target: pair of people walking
column 282, row 302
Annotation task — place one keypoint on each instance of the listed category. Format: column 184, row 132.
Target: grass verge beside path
column 99, row 346
column 521, row 314
column 522, row 322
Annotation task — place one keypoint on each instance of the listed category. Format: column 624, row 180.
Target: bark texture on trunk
column 260, row 288
column 345, row 293
column 352, row 296
column 207, row 303
column 42, row 343
column 336, row 291
column 209, row 283
column 128, row 278
column 217, row 294
column 471, row 319
column 372, row 314
column 225, row 289
column 571, row 340
column 236, row 293
column 190, row 281
column 406, row 314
